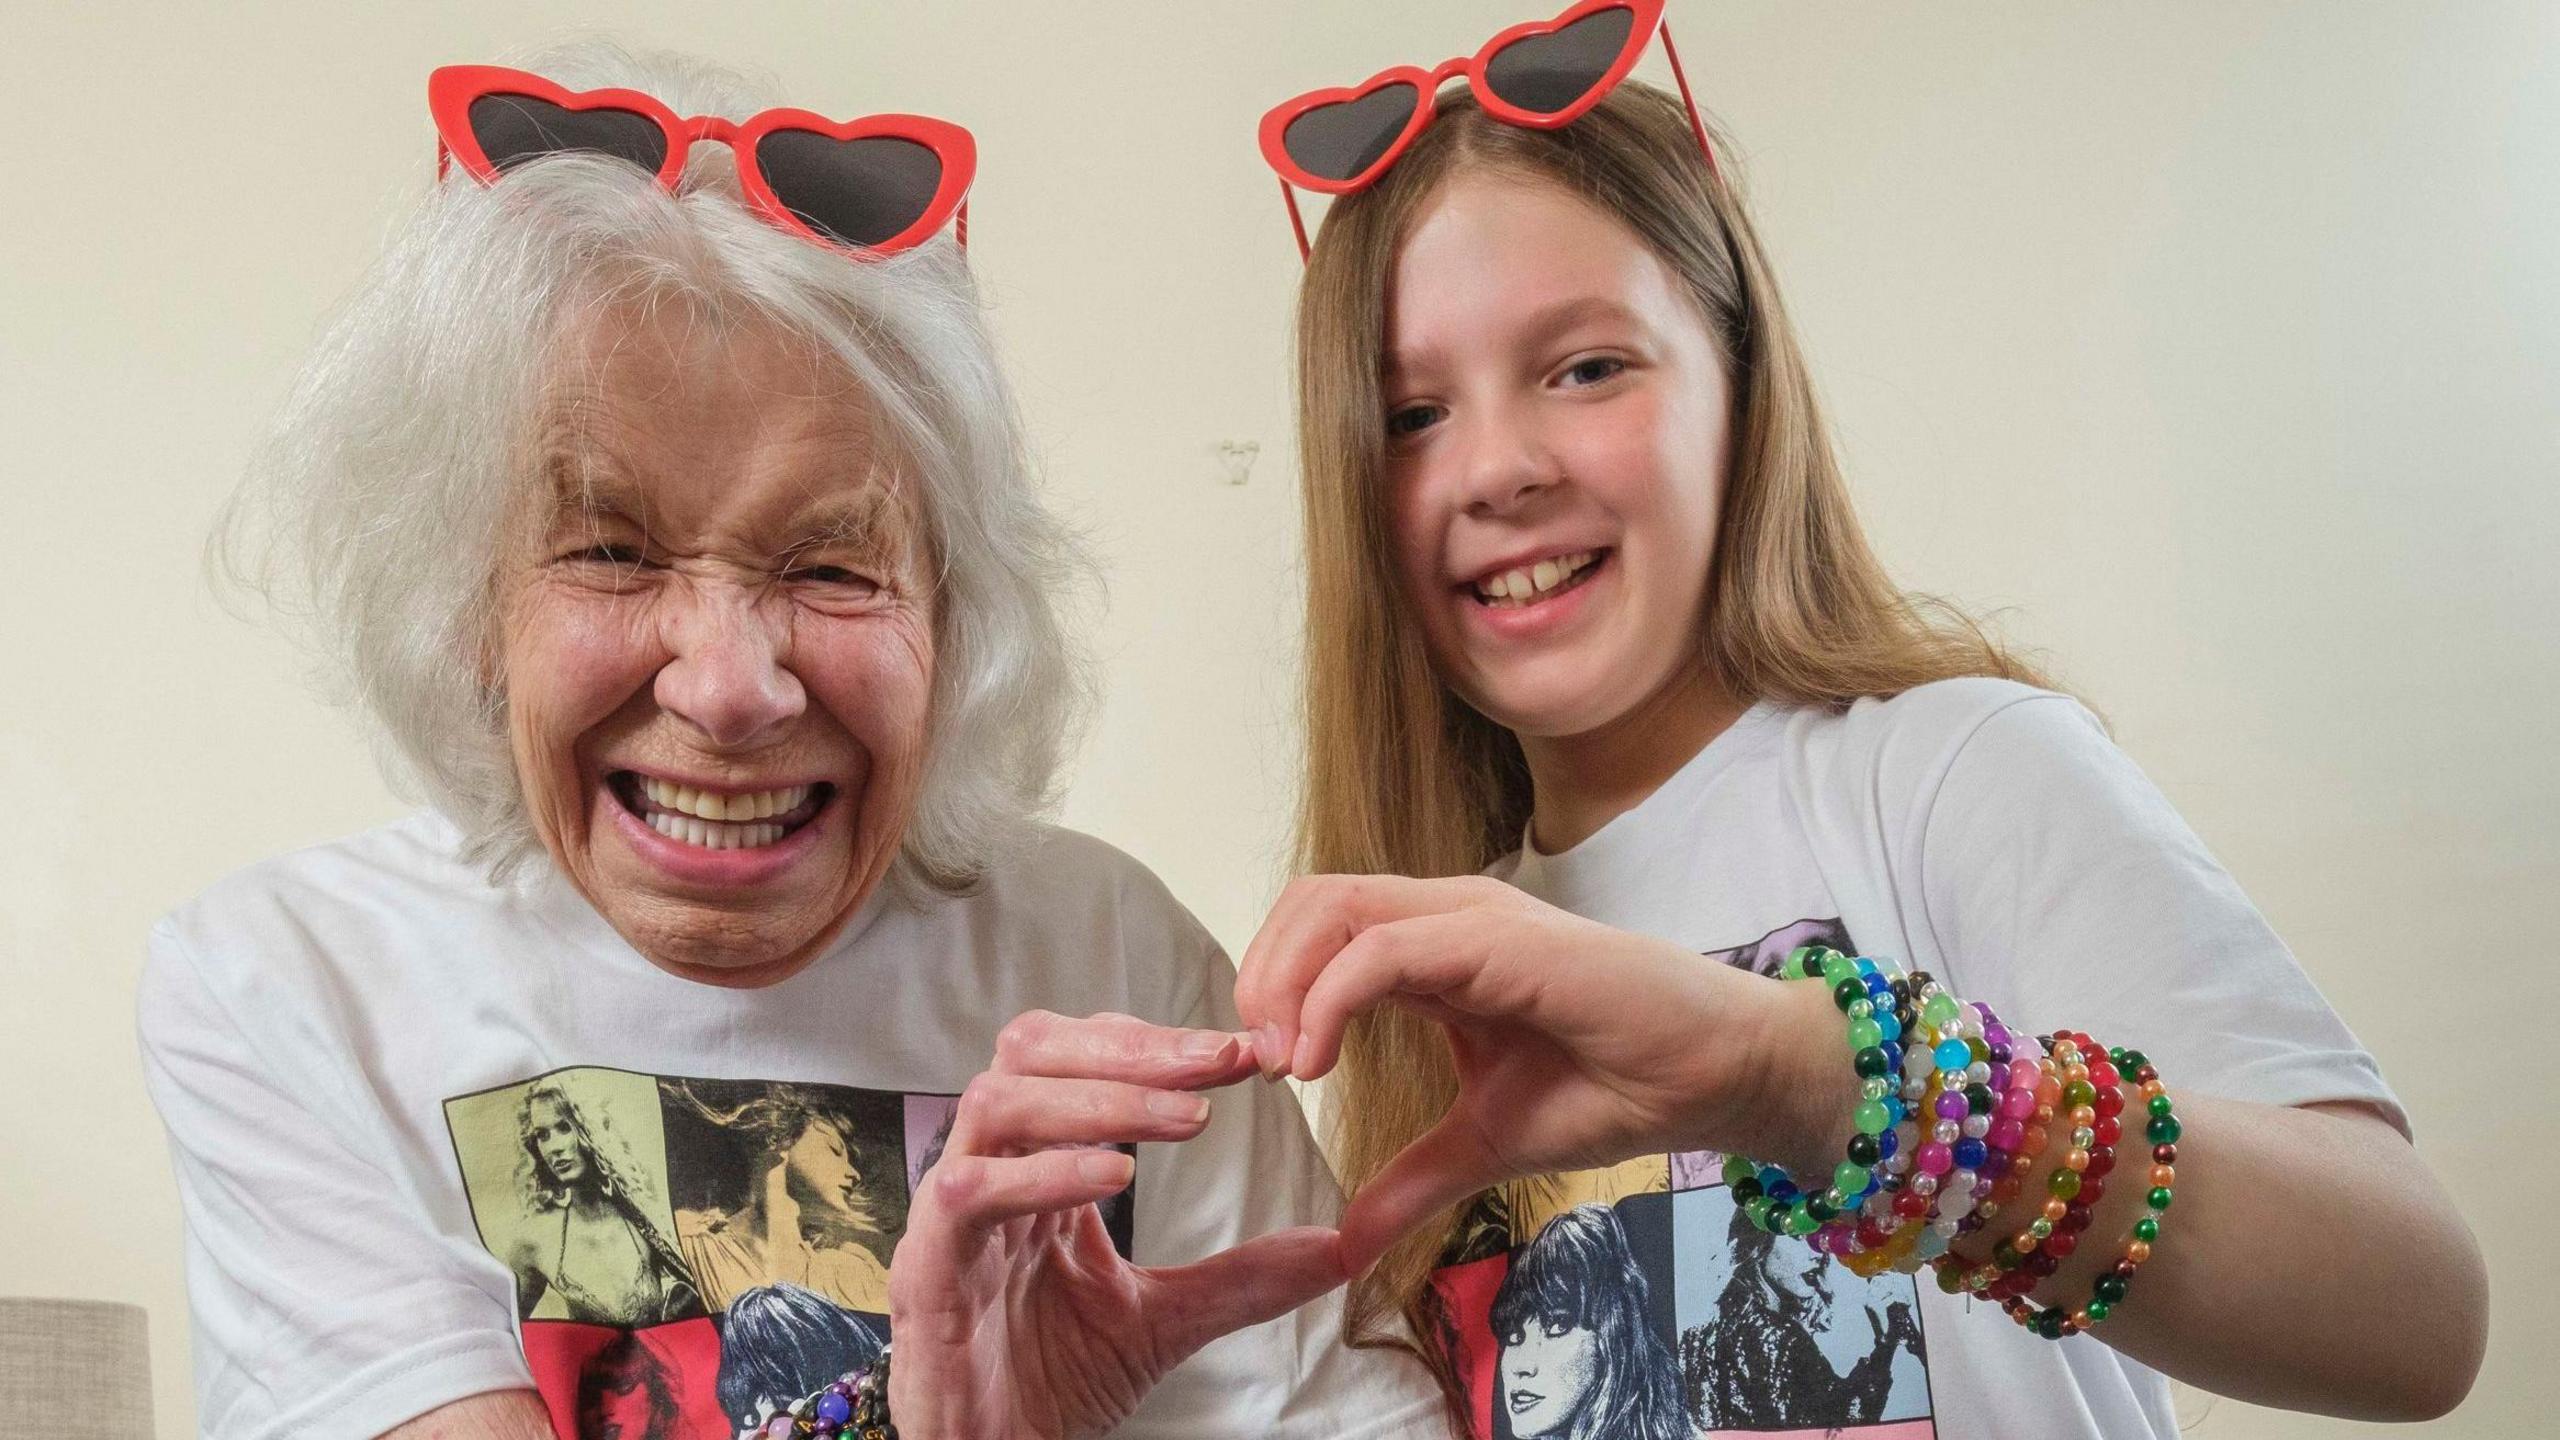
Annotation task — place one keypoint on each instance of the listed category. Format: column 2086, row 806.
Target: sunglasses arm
column 1695, row 124
column 1296, row 225
column 960, row 227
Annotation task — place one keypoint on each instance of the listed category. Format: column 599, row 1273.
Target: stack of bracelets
column 1955, row 1107
column 855, row 1407
column 1939, row 1155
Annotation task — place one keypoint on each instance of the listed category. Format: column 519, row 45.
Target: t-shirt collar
column 1617, row 847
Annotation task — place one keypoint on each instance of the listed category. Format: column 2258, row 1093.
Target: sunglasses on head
column 1543, row 74
column 872, row 186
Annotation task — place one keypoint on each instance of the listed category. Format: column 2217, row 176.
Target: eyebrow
column 869, row 519
column 1545, row 323
column 589, row 482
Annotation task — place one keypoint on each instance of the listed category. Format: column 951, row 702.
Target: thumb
column 1261, row 1279
column 1449, row 1163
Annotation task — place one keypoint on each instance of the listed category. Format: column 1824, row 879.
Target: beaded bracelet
column 2161, row 1128
column 1957, row 1201
column 1945, row 1154
column 2103, row 1074
column 1768, row 1195
column 1930, row 1193
column 855, row 1405
column 2072, row 1188
column 1896, row 1202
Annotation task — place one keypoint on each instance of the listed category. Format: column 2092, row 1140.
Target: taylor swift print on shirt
column 691, row 1253
column 1637, row 1301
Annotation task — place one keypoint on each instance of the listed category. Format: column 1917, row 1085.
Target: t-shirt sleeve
column 1254, row 1170
column 2060, row 887
column 322, row 1303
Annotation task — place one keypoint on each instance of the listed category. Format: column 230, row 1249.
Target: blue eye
column 1411, row 420
column 1595, row 369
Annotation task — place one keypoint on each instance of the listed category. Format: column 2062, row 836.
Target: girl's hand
column 1014, row 1316
column 1577, row 1045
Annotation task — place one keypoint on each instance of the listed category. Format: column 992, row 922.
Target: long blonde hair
column 1402, row 776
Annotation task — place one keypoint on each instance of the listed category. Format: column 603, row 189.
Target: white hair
column 378, row 508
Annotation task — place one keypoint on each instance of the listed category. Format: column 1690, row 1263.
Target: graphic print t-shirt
column 1985, row 832
column 436, row 1137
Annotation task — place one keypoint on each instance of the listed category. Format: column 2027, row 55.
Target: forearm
column 2309, row 1260
column 498, row 1415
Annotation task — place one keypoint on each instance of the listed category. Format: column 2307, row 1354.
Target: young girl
column 1604, row 686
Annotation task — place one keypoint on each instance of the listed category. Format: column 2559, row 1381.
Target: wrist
column 1802, row 1092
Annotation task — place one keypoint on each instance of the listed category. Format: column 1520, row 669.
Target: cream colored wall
column 2218, row 345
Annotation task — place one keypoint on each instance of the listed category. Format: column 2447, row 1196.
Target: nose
column 1505, row 465
column 728, row 676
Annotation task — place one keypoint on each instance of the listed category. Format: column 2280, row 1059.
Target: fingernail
column 1208, row 1045
column 1177, row 1106
column 1303, row 1056
column 1103, row 1167
column 1267, row 1051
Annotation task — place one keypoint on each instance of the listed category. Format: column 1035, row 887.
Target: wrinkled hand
column 1014, row 1317
column 1577, row 1045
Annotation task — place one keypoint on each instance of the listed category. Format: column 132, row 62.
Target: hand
column 1014, row 1317
column 1576, row 1045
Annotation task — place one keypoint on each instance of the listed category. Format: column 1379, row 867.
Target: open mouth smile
column 1525, row 585
column 718, row 819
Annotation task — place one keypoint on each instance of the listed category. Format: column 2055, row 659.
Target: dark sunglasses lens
column 512, row 129
column 1545, row 73
column 857, row 192
column 1337, row 142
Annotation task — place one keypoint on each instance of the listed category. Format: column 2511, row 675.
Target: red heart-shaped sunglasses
column 1543, row 74
column 870, row 187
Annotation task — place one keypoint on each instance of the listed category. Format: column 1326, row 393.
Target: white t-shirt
column 1980, row 830
column 435, row 1138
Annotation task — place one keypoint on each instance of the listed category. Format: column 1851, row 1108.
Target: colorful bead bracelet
column 2072, row 1188
column 1773, row 1199
column 1950, row 1117
column 2161, row 1128
column 1919, row 1159
column 1930, row 1194
column 854, row 1407
column 2019, row 1263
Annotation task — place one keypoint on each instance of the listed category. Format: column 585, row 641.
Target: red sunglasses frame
column 451, row 89
column 1426, row 83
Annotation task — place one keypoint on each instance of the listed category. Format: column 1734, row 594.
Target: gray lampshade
column 74, row 1370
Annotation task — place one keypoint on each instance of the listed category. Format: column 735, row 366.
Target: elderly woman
column 675, row 536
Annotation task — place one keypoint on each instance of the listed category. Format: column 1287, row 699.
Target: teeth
column 706, row 805
column 1521, row 584
column 713, row 835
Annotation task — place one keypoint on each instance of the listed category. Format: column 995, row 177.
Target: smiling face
column 716, row 643
column 1556, row 437
column 1546, row 1371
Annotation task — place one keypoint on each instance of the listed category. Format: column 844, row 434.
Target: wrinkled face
column 1546, row 1372
column 1556, row 436
column 555, row 1141
column 716, row 643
